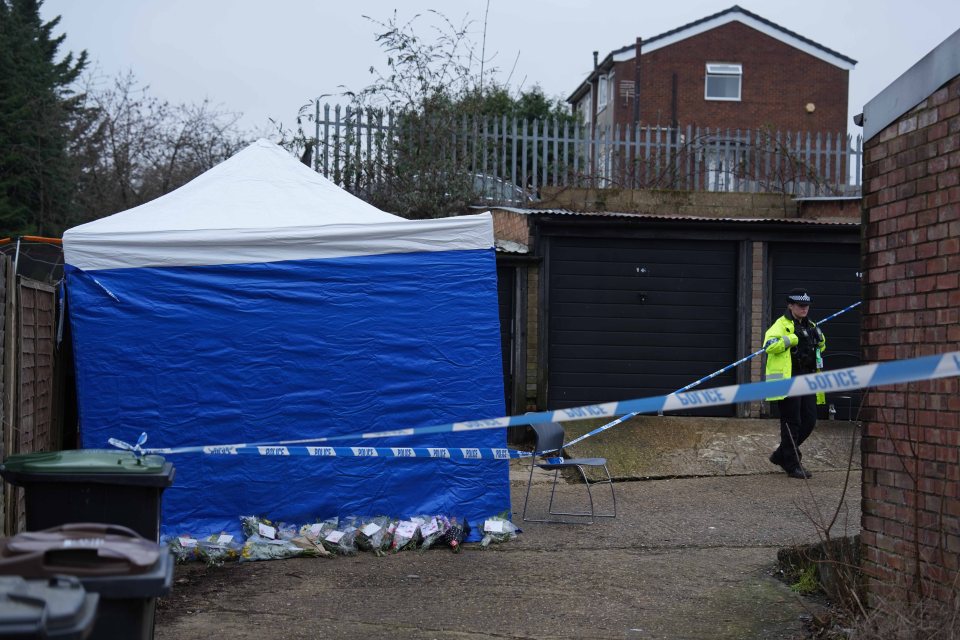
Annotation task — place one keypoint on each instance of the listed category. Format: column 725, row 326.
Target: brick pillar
column 911, row 439
column 757, row 327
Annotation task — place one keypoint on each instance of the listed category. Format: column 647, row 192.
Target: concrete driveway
column 686, row 558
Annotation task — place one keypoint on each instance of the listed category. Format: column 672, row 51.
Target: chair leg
column 574, row 513
column 586, row 481
column 529, row 483
column 613, row 495
column 592, row 514
column 553, row 490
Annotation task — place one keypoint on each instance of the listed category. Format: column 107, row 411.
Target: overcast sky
column 266, row 59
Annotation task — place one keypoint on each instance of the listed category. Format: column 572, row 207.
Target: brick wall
column 511, row 226
column 778, row 82
column 673, row 203
column 911, row 471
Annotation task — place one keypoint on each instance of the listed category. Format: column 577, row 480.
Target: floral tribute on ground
column 266, row 539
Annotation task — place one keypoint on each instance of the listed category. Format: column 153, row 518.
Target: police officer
column 793, row 346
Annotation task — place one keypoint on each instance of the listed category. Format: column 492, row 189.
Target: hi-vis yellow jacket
column 779, row 364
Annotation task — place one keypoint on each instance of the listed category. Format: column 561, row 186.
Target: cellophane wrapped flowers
column 432, row 530
column 454, row 536
column 375, row 535
column 406, row 535
column 268, row 542
column 498, row 529
column 219, row 548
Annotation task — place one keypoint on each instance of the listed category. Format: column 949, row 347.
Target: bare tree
column 131, row 147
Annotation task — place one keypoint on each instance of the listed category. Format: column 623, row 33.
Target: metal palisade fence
column 505, row 160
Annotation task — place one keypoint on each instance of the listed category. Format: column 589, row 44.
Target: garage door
column 831, row 273
column 633, row 318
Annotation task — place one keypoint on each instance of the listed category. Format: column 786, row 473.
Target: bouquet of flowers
column 256, row 548
column 498, row 529
column 318, row 530
column 433, row 529
column 373, row 534
column 218, row 548
column 406, row 535
column 264, row 541
column 455, row 534
column 336, row 536
column 185, row 548
column 257, row 526
column 311, row 548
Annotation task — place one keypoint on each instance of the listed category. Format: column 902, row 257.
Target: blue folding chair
column 547, row 454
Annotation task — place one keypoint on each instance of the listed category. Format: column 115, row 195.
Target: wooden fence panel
column 30, row 335
column 6, row 375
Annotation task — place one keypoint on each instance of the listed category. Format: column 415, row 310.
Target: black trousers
column 798, row 417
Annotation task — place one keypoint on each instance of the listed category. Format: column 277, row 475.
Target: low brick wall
column 674, row 203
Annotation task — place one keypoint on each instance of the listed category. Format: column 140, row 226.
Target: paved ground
column 686, row 558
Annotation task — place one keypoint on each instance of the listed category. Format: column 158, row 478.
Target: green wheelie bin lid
column 83, row 461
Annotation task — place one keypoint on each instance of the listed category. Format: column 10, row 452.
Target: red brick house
column 911, row 257
column 733, row 69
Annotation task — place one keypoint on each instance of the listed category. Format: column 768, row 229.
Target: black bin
column 91, row 485
column 127, row 571
column 57, row 607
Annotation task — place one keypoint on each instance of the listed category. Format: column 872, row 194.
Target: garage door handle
column 642, row 296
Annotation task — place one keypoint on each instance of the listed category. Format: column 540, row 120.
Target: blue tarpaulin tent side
column 218, row 329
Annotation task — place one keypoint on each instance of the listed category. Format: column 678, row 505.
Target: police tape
column 837, row 380
column 452, row 453
column 697, row 383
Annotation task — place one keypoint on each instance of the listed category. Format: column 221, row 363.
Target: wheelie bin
column 128, row 571
column 91, row 485
column 57, row 607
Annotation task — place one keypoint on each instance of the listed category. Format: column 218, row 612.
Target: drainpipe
column 636, row 82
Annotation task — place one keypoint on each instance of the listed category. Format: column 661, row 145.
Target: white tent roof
column 261, row 205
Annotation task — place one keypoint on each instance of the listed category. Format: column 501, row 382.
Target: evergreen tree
column 36, row 112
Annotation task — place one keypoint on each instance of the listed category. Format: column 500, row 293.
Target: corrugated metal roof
column 681, row 218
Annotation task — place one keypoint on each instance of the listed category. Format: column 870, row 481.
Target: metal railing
column 509, row 160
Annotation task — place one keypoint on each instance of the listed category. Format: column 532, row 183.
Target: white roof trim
column 727, row 18
column 92, row 251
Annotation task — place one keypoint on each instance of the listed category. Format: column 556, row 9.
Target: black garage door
column 831, row 272
column 631, row 318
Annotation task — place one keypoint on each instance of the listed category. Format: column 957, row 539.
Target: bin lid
column 81, row 549
column 84, row 461
column 111, row 560
column 56, row 607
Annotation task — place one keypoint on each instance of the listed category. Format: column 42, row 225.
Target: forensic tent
column 261, row 303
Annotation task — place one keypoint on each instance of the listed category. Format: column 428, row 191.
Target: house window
column 602, row 93
column 723, row 81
